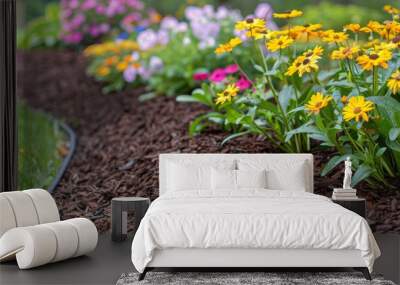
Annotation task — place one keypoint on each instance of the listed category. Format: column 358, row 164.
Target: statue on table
column 347, row 174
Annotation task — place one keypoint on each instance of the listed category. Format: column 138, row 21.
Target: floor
column 110, row 260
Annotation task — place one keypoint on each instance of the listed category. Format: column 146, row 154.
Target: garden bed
column 119, row 139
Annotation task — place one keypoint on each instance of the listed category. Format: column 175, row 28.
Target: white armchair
column 31, row 230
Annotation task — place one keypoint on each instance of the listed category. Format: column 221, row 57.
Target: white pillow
column 223, row 179
column 188, row 177
column 230, row 180
column 251, row 178
column 187, row 174
column 281, row 174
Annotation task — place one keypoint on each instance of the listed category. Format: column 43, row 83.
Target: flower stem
column 375, row 81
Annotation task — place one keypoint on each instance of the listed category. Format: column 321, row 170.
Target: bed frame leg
column 143, row 274
column 364, row 271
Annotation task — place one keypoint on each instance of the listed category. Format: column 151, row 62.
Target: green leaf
column 259, row 68
column 147, row 96
column 285, row 95
column 233, row 136
column 381, row 151
column 394, row 133
column 306, row 129
column 333, row 162
column 362, row 172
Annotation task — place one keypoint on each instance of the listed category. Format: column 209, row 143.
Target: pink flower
column 230, row 69
column 218, row 75
column 243, row 83
column 200, row 76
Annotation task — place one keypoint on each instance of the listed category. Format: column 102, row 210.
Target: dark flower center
column 306, row 61
column 357, row 110
column 396, row 40
column 374, row 56
column 280, row 43
column 318, row 105
column 249, row 21
column 309, row 54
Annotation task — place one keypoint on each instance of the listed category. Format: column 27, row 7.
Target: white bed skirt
column 190, row 257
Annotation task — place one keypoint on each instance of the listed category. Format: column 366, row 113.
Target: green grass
column 39, row 139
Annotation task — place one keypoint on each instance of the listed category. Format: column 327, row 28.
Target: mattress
column 250, row 219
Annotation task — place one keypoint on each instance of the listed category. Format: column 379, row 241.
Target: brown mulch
column 120, row 138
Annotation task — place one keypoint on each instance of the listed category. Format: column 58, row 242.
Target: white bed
column 281, row 224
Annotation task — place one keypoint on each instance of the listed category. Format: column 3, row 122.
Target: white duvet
column 250, row 219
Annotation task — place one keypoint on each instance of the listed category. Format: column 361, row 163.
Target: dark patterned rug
column 243, row 278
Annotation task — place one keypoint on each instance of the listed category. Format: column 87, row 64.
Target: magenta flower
column 230, row 69
column 218, row 75
column 200, row 76
column 243, row 83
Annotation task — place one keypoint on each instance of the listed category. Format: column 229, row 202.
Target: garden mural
column 134, row 79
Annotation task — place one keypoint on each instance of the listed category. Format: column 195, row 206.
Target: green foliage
column 42, row 32
column 39, row 139
column 335, row 16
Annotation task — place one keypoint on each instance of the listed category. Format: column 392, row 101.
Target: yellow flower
column 355, row 28
column 345, row 53
column 317, row 102
column 279, row 43
column 315, row 53
column 114, row 47
column 396, row 41
column 103, row 71
column 312, row 30
column 331, row 36
column 372, row 26
column 302, row 64
column 343, row 99
column 384, row 45
column 250, row 24
column 257, row 33
column 229, row 46
column 288, row 14
column 394, row 82
column 374, row 59
column 121, row 66
column 391, row 10
column 357, row 108
column 226, row 96
column 110, row 60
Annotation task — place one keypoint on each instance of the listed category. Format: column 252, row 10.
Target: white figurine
column 347, row 174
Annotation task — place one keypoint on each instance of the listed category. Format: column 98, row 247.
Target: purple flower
column 163, row 37
column 104, row 28
column 94, row 31
column 135, row 4
column 217, row 75
column 147, row 39
column 205, row 30
column 73, row 38
column 264, row 11
column 73, row 4
column 101, row 10
column 193, row 12
column 169, row 23
column 88, row 4
column 155, row 63
column 130, row 74
column 77, row 21
column 144, row 73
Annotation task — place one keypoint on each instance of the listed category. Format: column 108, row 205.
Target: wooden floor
column 110, row 260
